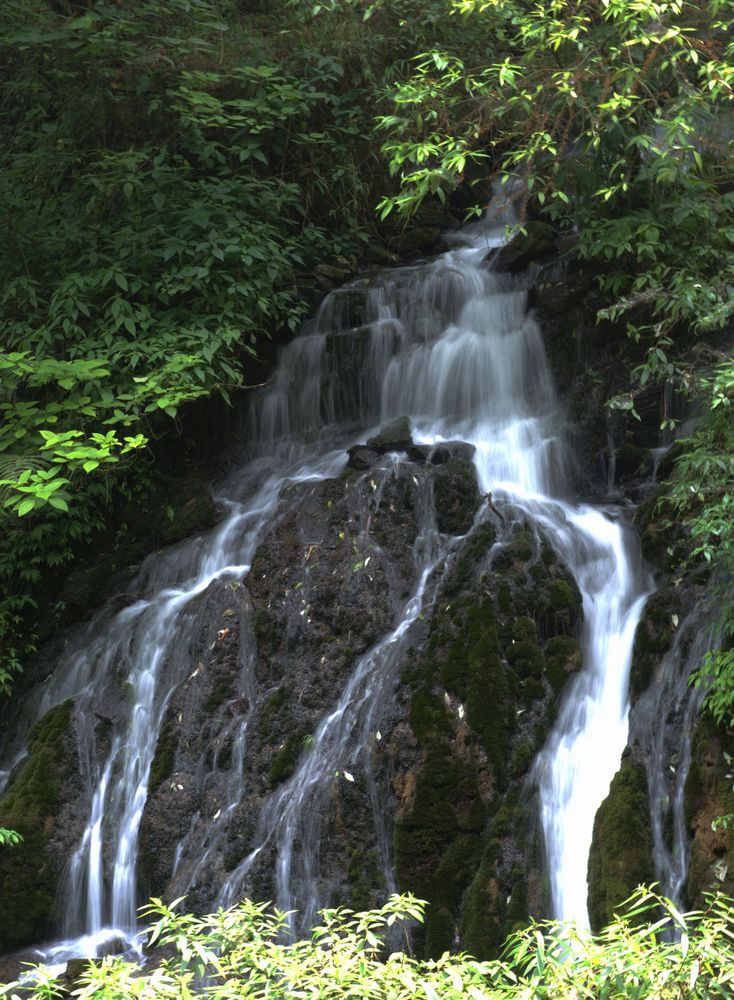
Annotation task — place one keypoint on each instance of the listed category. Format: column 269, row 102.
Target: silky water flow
column 451, row 345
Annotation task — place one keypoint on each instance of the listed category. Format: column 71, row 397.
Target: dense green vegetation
column 651, row 951
column 171, row 174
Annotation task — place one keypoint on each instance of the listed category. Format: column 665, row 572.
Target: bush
column 246, row 951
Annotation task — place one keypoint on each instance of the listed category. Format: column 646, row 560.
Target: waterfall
column 451, row 345
column 661, row 726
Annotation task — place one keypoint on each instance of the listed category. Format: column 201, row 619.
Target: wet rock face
column 476, row 703
column 709, row 796
column 476, row 696
column 327, row 582
column 41, row 803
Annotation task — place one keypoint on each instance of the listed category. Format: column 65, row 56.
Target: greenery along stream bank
column 652, row 952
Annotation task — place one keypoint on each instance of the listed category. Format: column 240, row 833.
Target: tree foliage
column 650, row 951
column 170, row 173
column 616, row 117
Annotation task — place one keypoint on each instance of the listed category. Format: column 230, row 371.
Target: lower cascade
column 425, row 379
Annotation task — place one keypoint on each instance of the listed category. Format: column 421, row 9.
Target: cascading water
column 660, row 726
column 451, row 345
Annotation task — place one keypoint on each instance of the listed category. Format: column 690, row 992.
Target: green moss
column 363, row 875
column 621, row 849
column 563, row 598
column 437, row 841
column 284, row 761
column 487, row 703
column 562, row 656
column 504, row 599
column 428, row 715
column 474, row 548
column 503, row 820
column 455, row 869
column 28, row 876
column 524, row 628
column 165, row 757
column 516, row 915
column 547, row 555
column 522, row 758
column 526, row 657
column 275, row 702
column 440, row 931
column 653, row 639
column 482, row 917
column 224, row 689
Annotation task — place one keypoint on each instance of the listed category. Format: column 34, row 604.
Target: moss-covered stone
column 516, row 915
column 440, row 930
column 526, row 657
column 562, row 657
column 474, row 548
column 480, row 704
column 164, row 759
column 456, row 496
column 518, row 551
column 363, row 874
column 28, row 874
column 285, row 759
column 483, row 914
column 621, row 848
column 223, row 689
column 653, row 639
column 563, row 599
column 709, row 795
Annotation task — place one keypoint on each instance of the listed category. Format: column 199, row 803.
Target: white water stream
column 451, row 345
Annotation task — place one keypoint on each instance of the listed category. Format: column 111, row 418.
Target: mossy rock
column 284, row 762
column 518, row 551
column 653, row 639
column 526, row 657
column 223, row 689
column 536, row 242
column 473, row 550
column 709, row 795
column 428, row 715
column 621, row 848
column 28, row 874
column 164, row 758
column 482, row 920
column 516, row 916
column 440, row 931
column 562, row 657
column 456, row 496
column 663, row 537
column 563, row 599
column 363, row 875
